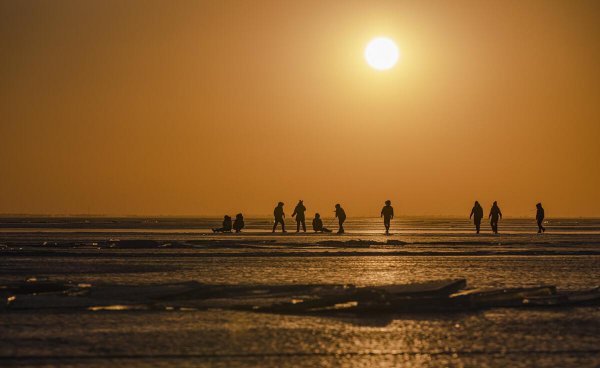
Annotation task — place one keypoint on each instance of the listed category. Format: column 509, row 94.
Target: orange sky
column 212, row 107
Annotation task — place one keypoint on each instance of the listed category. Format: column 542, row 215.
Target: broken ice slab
column 438, row 296
column 507, row 297
column 387, row 298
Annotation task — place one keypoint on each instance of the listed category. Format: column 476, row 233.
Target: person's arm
column 295, row 211
column 381, row 215
column 499, row 212
column 490, row 215
column 392, row 213
column 472, row 212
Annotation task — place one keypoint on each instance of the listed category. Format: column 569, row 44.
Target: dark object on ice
column 226, row 225
column 358, row 243
column 539, row 216
column 279, row 217
column 137, row 244
column 495, row 215
column 238, row 224
column 387, row 212
column 32, row 286
column 477, row 215
column 299, row 214
column 317, row 225
column 341, row 216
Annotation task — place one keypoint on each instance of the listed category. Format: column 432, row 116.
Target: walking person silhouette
column 495, row 215
column 539, row 216
column 387, row 212
column 300, row 218
column 341, row 216
column 279, row 217
column 477, row 215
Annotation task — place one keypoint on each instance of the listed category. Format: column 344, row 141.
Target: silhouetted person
column 317, row 225
column 238, row 224
column 495, row 215
column 226, row 225
column 477, row 215
column 341, row 216
column 387, row 212
column 299, row 213
column 539, row 216
column 279, row 217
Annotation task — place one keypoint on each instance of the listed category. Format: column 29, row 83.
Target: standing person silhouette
column 341, row 216
column 279, row 217
column 387, row 212
column 299, row 213
column 477, row 215
column 539, row 216
column 495, row 214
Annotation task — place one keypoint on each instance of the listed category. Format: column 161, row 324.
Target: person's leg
column 275, row 225
column 303, row 225
column 297, row 225
column 541, row 227
column 282, row 225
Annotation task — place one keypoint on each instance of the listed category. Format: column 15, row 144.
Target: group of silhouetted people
column 496, row 215
column 298, row 213
column 387, row 212
column 237, row 225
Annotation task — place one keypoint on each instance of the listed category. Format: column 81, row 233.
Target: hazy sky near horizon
column 212, row 107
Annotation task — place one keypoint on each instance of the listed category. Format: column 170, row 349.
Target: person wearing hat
column 299, row 214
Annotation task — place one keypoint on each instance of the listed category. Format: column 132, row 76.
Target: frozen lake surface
column 101, row 251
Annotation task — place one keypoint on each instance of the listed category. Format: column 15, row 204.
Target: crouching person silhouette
column 226, row 226
column 238, row 224
column 317, row 225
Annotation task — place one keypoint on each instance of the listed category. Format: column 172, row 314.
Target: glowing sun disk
column 382, row 53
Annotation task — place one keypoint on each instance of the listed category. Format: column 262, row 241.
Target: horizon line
column 260, row 216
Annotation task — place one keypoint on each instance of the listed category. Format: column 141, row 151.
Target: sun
column 382, row 53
